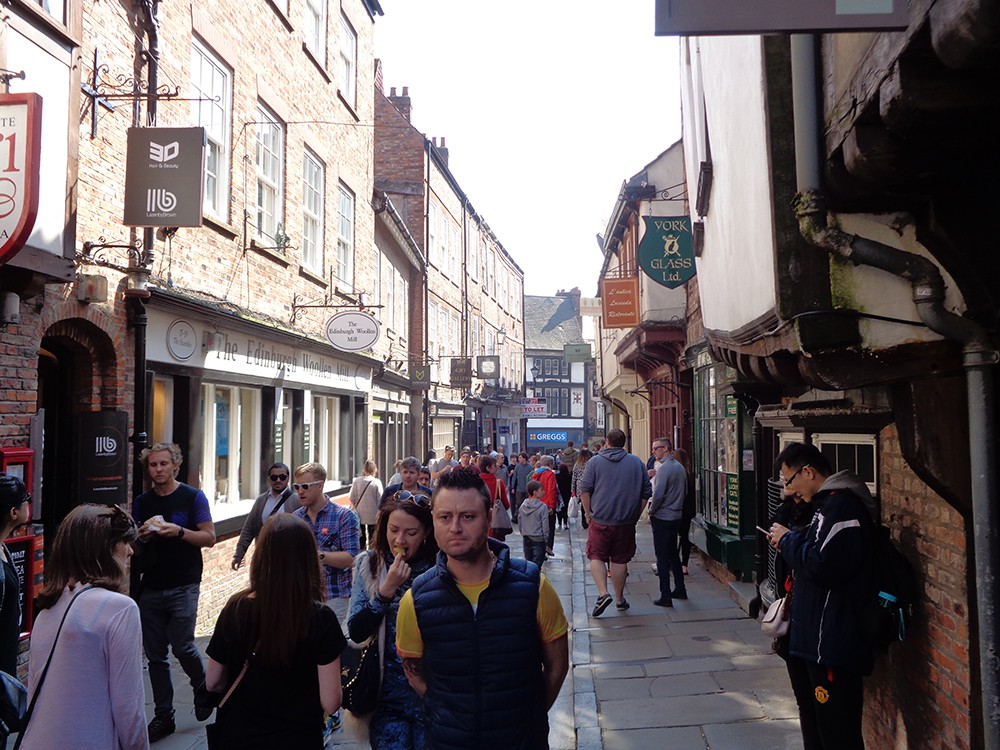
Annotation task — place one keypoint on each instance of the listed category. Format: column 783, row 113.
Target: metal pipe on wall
column 980, row 360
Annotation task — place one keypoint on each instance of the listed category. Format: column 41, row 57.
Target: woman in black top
column 290, row 639
column 15, row 510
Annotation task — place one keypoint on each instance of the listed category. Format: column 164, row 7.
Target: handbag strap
column 45, row 669
column 236, row 682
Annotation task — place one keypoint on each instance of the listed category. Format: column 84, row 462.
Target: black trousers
column 830, row 702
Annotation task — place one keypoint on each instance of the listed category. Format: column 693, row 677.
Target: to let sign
column 164, row 177
column 620, row 303
column 707, row 17
column 20, row 155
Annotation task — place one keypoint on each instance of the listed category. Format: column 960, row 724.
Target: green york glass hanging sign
column 666, row 253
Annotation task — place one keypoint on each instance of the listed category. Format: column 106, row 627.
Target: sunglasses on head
column 404, row 495
column 306, row 485
column 122, row 524
column 278, row 477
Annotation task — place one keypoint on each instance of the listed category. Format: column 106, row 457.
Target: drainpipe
column 980, row 357
column 137, row 290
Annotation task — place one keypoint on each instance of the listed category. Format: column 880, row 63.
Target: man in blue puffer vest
column 482, row 635
column 831, row 562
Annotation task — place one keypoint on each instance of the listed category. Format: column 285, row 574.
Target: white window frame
column 344, row 267
column 270, row 166
column 314, row 28
column 348, row 60
column 819, row 439
column 313, row 199
column 215, row 117
column 432, row 231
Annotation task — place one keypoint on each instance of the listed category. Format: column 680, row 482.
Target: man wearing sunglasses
column 337, row 535
column 832, row 565
column 279, row 498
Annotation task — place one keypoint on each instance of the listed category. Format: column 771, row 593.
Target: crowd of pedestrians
column 417, row 569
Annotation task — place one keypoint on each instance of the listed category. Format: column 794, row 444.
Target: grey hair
column 546, row 461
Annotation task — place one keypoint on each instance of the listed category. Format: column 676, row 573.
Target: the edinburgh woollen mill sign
column 352, row 331
column 666, row 253
column 20, row 155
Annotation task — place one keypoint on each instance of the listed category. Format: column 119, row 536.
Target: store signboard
column 164, row 177
column 620, row 302
column 461, row 372
column 577, row 352
column 352, row 331
column 709, row 17
column 20, row 158
column 666, row 253
column 102, row 457
column 420, row 377
column 488, row 366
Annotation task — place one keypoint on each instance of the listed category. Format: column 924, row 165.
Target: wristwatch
column 180, row 534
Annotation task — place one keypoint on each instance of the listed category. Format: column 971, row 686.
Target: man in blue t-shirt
column 174, row 524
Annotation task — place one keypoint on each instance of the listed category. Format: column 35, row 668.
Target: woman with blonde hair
column 282, row 645
column 91, row 695
column 365, row 494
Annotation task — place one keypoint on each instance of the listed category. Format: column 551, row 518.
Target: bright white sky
column 547, row 107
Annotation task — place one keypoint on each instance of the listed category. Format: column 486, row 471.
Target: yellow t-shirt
column 551, row 620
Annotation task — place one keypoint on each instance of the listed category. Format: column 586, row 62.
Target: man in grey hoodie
column 613, row 490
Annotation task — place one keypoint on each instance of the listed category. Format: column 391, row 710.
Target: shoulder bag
column 501, row 518
column 361, row 664
column 776, row 620
column 14, row 714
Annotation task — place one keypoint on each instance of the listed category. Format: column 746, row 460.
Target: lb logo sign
column 20, row 155
column 164, row 177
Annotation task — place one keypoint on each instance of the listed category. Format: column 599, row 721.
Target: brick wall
column 219, row 581
column 918, row 695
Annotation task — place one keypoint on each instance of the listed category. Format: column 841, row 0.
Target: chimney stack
column 402, row 103
column 443, row 151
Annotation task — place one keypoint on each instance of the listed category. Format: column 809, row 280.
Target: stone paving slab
column 686, row 738
column 647, row 648
column 760, row 735
column 689, row 710
column 699, row 675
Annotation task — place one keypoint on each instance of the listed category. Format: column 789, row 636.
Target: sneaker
column 160, row 727
column 330, row 725
column 654, row 568
column 679, row 594
column 549, row 551
column 664, row 602
column 602, row 603
column 622, row 605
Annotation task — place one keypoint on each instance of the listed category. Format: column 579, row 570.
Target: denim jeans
column 668, row 559
column 534, row 551
column 168, row 618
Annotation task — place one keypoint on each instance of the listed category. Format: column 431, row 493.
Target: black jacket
column 832, row 560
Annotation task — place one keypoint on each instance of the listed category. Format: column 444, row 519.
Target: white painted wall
column 722, row 101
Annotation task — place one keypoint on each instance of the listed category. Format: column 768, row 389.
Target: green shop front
column 724, row 465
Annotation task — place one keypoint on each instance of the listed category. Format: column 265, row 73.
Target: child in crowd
column 533, row 521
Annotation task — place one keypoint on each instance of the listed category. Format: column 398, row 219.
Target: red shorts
column 610, row 543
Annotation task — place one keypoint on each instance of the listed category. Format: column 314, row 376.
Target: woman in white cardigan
column 92, row 695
